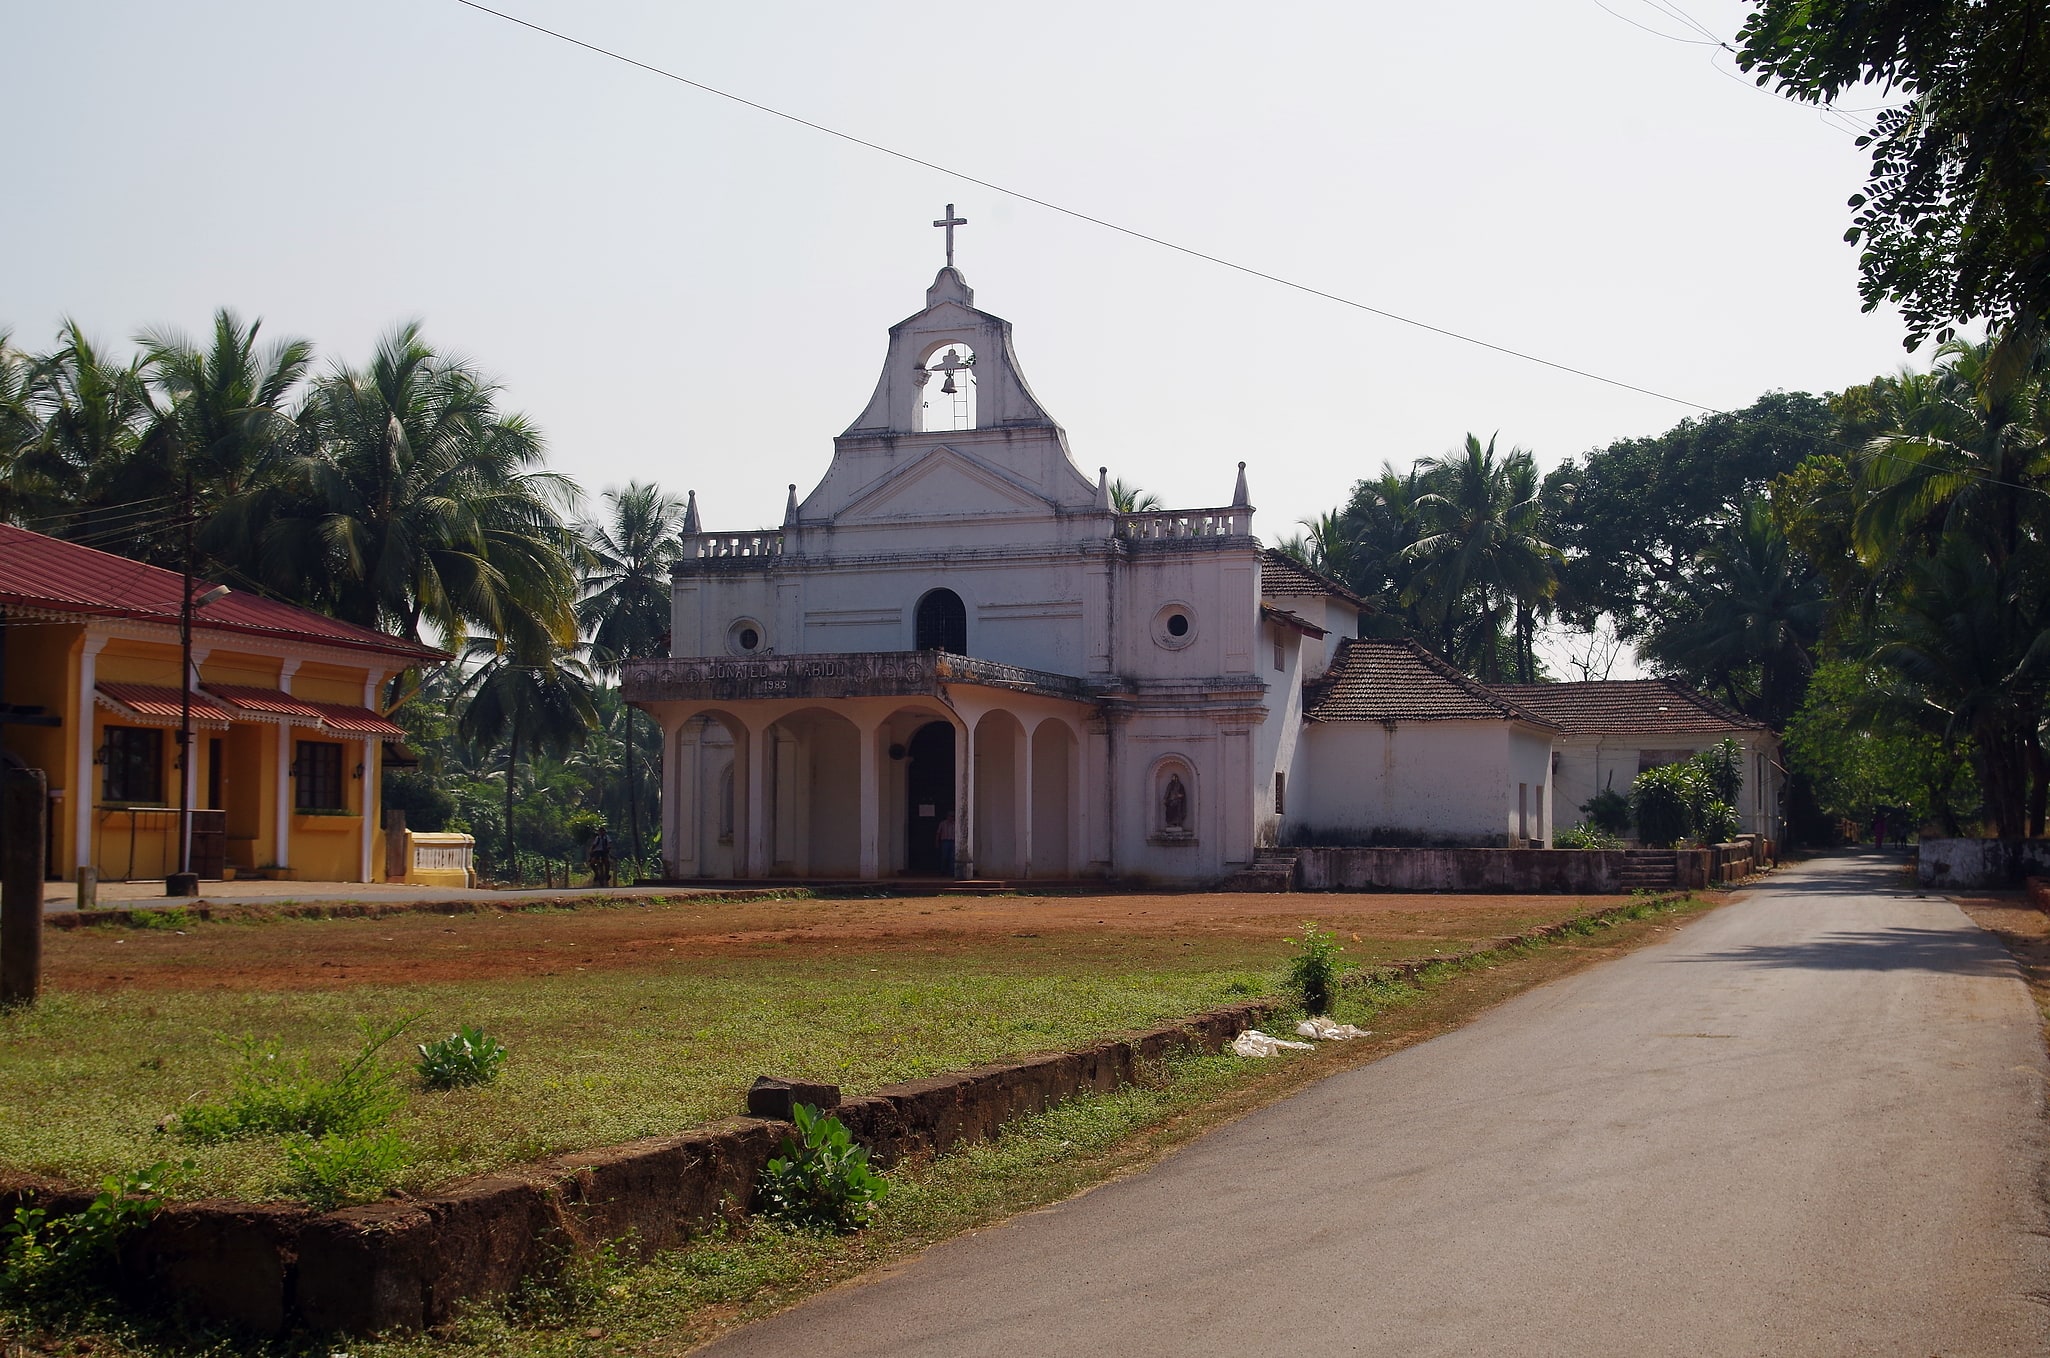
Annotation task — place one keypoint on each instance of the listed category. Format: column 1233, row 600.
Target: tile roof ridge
column 1331, row 584
column 1484, row 692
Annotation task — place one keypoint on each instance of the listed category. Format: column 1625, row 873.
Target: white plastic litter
column 1324, row 1030
column 1253, row 1042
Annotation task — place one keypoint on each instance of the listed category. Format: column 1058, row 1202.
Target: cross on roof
column 950, row 221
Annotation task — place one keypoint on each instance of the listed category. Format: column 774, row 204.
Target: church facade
column 956, row 657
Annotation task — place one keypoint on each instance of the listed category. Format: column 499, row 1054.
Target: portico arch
column 706, row 819
column 1002, row 768
column 1055, row 803
column 814, row 802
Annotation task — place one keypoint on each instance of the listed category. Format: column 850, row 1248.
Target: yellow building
column 288, row 738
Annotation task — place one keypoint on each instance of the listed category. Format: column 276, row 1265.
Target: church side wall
column 1448, row 781
column 1279, row 738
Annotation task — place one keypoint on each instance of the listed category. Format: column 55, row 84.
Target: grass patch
column 616, row 1034
column 679, row 1299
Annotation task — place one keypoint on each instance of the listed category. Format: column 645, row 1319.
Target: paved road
column 1810, row 1124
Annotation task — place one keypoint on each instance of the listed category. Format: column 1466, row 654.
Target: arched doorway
column 929, row 795
column 942, row 623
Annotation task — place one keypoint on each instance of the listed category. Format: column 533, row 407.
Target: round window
column 1174, row 626
column 744, row 637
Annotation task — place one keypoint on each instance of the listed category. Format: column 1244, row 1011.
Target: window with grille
column 319, row 769
column 135, row 765
column 1280, row 794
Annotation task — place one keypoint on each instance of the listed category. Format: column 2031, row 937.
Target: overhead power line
column 1079, row 215
column 1191, row 251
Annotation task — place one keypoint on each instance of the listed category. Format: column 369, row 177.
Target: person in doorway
column 944, row 833
column 599, row 857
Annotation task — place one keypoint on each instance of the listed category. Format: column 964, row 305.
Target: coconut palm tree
column 432, row 507
column 1127, row 498
column 625, row 606
column 91, row 475
column 1748, row 619
column 223, row 415
column 1478, row 555
column 534, row 701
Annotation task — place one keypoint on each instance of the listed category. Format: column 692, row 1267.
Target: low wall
column 271, row 1268
column 1968, row 863
column 1588, row 871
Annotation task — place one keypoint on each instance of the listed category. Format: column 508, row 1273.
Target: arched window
column 942, row 622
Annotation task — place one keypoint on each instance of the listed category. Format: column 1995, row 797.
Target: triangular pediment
column 946, row 483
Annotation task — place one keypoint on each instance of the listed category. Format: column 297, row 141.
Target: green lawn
column 597, row 1058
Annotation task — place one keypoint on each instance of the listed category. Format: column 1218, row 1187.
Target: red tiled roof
column 63, row 577
column 1377, row 680
column 1627, row 706
column 268, row 702
column 345, row 720
column 1281, row 575
column 160, row 702
column 1288, row 619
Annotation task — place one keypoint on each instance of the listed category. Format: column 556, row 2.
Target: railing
column 767, row 543
column 1155, row 525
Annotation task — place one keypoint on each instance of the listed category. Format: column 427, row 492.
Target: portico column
column 758, row 801
column 281, row 853
column 964, row 804
column 81, row 792
column 373, row 750
column 870, row 793
column 1021, row 790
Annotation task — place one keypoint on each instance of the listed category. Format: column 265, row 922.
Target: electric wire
column 1191, row 251
column 1080, row 215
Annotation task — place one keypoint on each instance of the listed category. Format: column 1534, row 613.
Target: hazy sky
column 682, row 289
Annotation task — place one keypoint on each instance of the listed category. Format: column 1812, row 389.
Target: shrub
column 1314, row 970
column 165, row 917
column 1584, row 837
column 1608, row 811
column 1718, row 822
column 821, row 1180
column 337, row 1169
column 1721, row 766
column 274, row 1095
column 1662, row 799
column 49, row 1260
column 463, row 1058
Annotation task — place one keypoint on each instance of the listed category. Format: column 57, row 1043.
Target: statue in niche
column 1174, row 804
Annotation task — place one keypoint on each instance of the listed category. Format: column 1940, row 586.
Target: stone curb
column 410, row 1264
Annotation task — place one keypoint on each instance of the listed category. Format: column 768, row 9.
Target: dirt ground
column 2025, row 928
column 433, row 947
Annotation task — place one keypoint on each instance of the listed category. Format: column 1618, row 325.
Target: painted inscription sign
column 797, row 676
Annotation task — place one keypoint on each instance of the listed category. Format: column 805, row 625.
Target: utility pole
column 185, row 882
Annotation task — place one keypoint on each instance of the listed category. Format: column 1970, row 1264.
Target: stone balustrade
column 766, row 543
column 1155, row 525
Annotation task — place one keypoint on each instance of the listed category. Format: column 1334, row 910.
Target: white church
column 956, row 631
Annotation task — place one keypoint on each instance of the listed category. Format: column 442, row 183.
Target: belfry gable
column 949, row 368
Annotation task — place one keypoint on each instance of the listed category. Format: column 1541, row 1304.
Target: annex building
column 954, row 629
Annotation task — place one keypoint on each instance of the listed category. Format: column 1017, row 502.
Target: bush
column 274, row 1096
column 821, row 1180
column 1662, row 799
column 463, row 1058
column 50, row 1260
column 1314, row 971
column 1607, row 811
column 335, row 1170
column 1584, row 837
column 1718, row 822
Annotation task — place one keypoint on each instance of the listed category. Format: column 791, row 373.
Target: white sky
column 681, row 289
